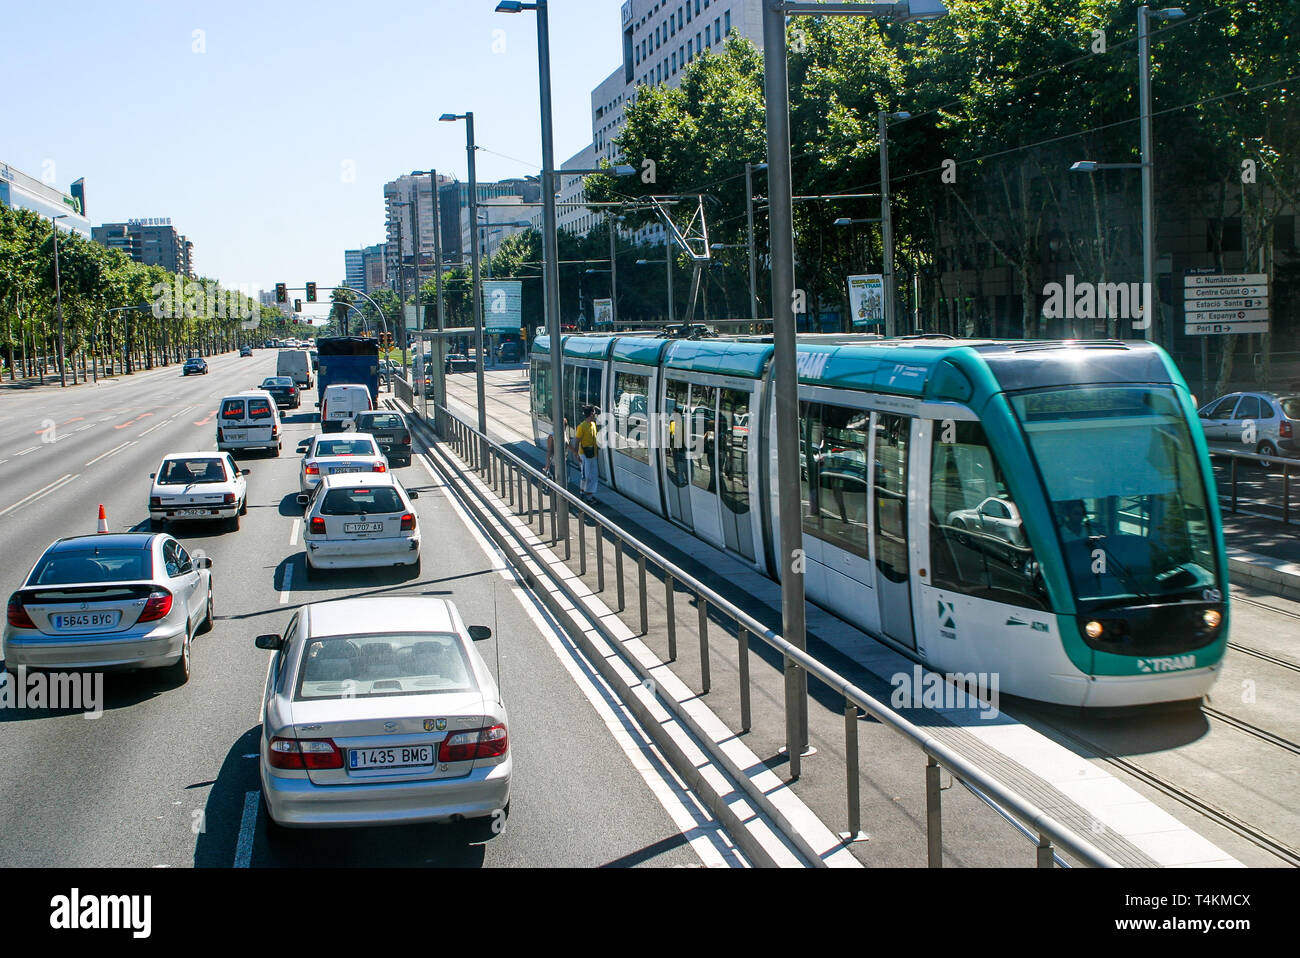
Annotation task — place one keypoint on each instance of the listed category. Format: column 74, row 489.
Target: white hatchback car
column 380, row 711
column 354, row 452
column 197, row 485
column 340, row 404
column 360, row 522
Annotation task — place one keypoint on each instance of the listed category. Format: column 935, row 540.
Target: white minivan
column 248, row 420
column 297, row 364
column 340, row 405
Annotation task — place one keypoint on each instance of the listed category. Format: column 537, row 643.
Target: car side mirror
column 479, row 632
column 412, row 494
column 270, row 642
column 301, row 498
column 152, row 475
column 245, row 472
column 318, row 405
column 203, row 562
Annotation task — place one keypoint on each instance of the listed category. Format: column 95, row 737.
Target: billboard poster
column 502, row 305
column 867, row 300
column 604, row 313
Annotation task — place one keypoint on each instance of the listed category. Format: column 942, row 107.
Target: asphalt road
column 167, row 776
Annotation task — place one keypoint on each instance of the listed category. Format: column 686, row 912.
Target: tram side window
column 631, row 422
column 591, row 397
column 542, row 391
column 978, row 544
column 810, row 440
column 575, row 387
column 842, row 477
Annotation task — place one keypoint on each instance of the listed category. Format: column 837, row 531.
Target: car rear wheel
column 206, row 625
column 234, row 522
column 243, row 506
column 180, row 672
column 1265, row 448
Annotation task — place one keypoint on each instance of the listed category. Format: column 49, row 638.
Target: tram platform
column 1137, row 828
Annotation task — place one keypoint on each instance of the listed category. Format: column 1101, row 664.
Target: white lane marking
column 89, row 425
column 112, row 452
column 288, row 584
column 44, row 491
column 247, row 825
column 293, row 536
column 24, row 452
column 152, row 428
column 705, row 835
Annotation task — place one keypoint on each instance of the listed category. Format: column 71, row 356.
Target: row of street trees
column 118, row 315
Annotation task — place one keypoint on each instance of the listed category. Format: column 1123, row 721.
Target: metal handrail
column 1286, row 463
column 1035, row 820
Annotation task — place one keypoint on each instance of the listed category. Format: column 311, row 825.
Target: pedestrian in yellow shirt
column 585, row 446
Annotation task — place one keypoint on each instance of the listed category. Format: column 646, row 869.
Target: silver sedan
column 380, row 711
column 334, row 455
column 129, row 600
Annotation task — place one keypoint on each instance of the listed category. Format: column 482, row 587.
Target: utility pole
column 887, row 229
column 749, row 216
column 613, row 272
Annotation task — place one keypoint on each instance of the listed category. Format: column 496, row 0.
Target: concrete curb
column 1274, row 576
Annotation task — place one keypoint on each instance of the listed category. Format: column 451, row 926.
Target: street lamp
column 476, row 293
column 886, row 219
column 749, row 219
column 58, row 297
column 785, row 373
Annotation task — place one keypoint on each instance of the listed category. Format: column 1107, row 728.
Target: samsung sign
column 155, row 221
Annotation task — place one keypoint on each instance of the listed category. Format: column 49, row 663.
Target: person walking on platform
column 585, row 443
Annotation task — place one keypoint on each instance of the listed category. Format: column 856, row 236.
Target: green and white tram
column 1039, row 510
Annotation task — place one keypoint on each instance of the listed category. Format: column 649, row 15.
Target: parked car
column 283, row 390
column 197, row 485
column 406, row 722
column 126, row 600
column 360, row 522
column 390, row 431
column 195, row 364
column 1275, row 423
column 248, row 420
column 334, row 455
column 459, row 362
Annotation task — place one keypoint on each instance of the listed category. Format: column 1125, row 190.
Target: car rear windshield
column 374, row 665
column 1290, row 407
column 345, row 447
column 259, row 409
column 232, row 409
column 385, row 421
column 186, row 471
column 278, row 381
column 100, row 565
column 361, row 501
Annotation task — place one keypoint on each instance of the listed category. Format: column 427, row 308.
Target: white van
column 297, row 364
column 340, row 405
column 248, row 420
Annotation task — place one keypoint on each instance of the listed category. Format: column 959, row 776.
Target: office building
column 22, row 192
column 153, row 242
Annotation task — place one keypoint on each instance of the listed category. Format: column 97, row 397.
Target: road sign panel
column 1219, row 305
column 1229, row 316
column 1220, row 292
column 1227, row 279
column 1223, row 329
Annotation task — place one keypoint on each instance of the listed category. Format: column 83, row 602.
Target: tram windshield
column 1125, row 488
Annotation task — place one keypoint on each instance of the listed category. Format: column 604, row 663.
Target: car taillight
column 228, row 499
column 219, row 436
column 275, row 430
column 408, row 522
column 312, row 470
column 406, row 441
column 477, row 743
column 317, row 526
column 303, row 754
column 17, row 616
column 378, row 467
column 159, row 604
column 1284, row 429
column 155, row 502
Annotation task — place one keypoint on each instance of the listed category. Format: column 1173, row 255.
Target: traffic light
column 297, row 306
column 281, row 293
column 311, row 292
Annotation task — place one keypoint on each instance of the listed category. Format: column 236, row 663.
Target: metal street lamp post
column 886, row 219
column 785, row 378
column 58, row 297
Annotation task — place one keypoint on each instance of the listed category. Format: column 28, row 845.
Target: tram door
column 701, row 422
column 677, row 467
column 733, row 470
column 894, row 581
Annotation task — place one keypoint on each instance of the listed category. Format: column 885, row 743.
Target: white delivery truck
column 297, row 364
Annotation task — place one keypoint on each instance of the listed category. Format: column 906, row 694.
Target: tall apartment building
column 153, row 242
column 373, row 265
column 413, row 223
column 354, row 269
column 660, row 39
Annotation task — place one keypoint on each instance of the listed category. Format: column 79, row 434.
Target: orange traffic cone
column 103, row 519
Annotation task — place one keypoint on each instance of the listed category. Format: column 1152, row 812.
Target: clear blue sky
column 244, row 145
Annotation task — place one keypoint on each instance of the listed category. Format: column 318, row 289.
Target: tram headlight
column 1212, row 618
column 1093, row 629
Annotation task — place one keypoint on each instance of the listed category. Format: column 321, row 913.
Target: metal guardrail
column 517, row 481
column 1266, row 461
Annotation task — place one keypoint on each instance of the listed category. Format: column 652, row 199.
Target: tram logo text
column 1172, row 663
column 920, row 689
